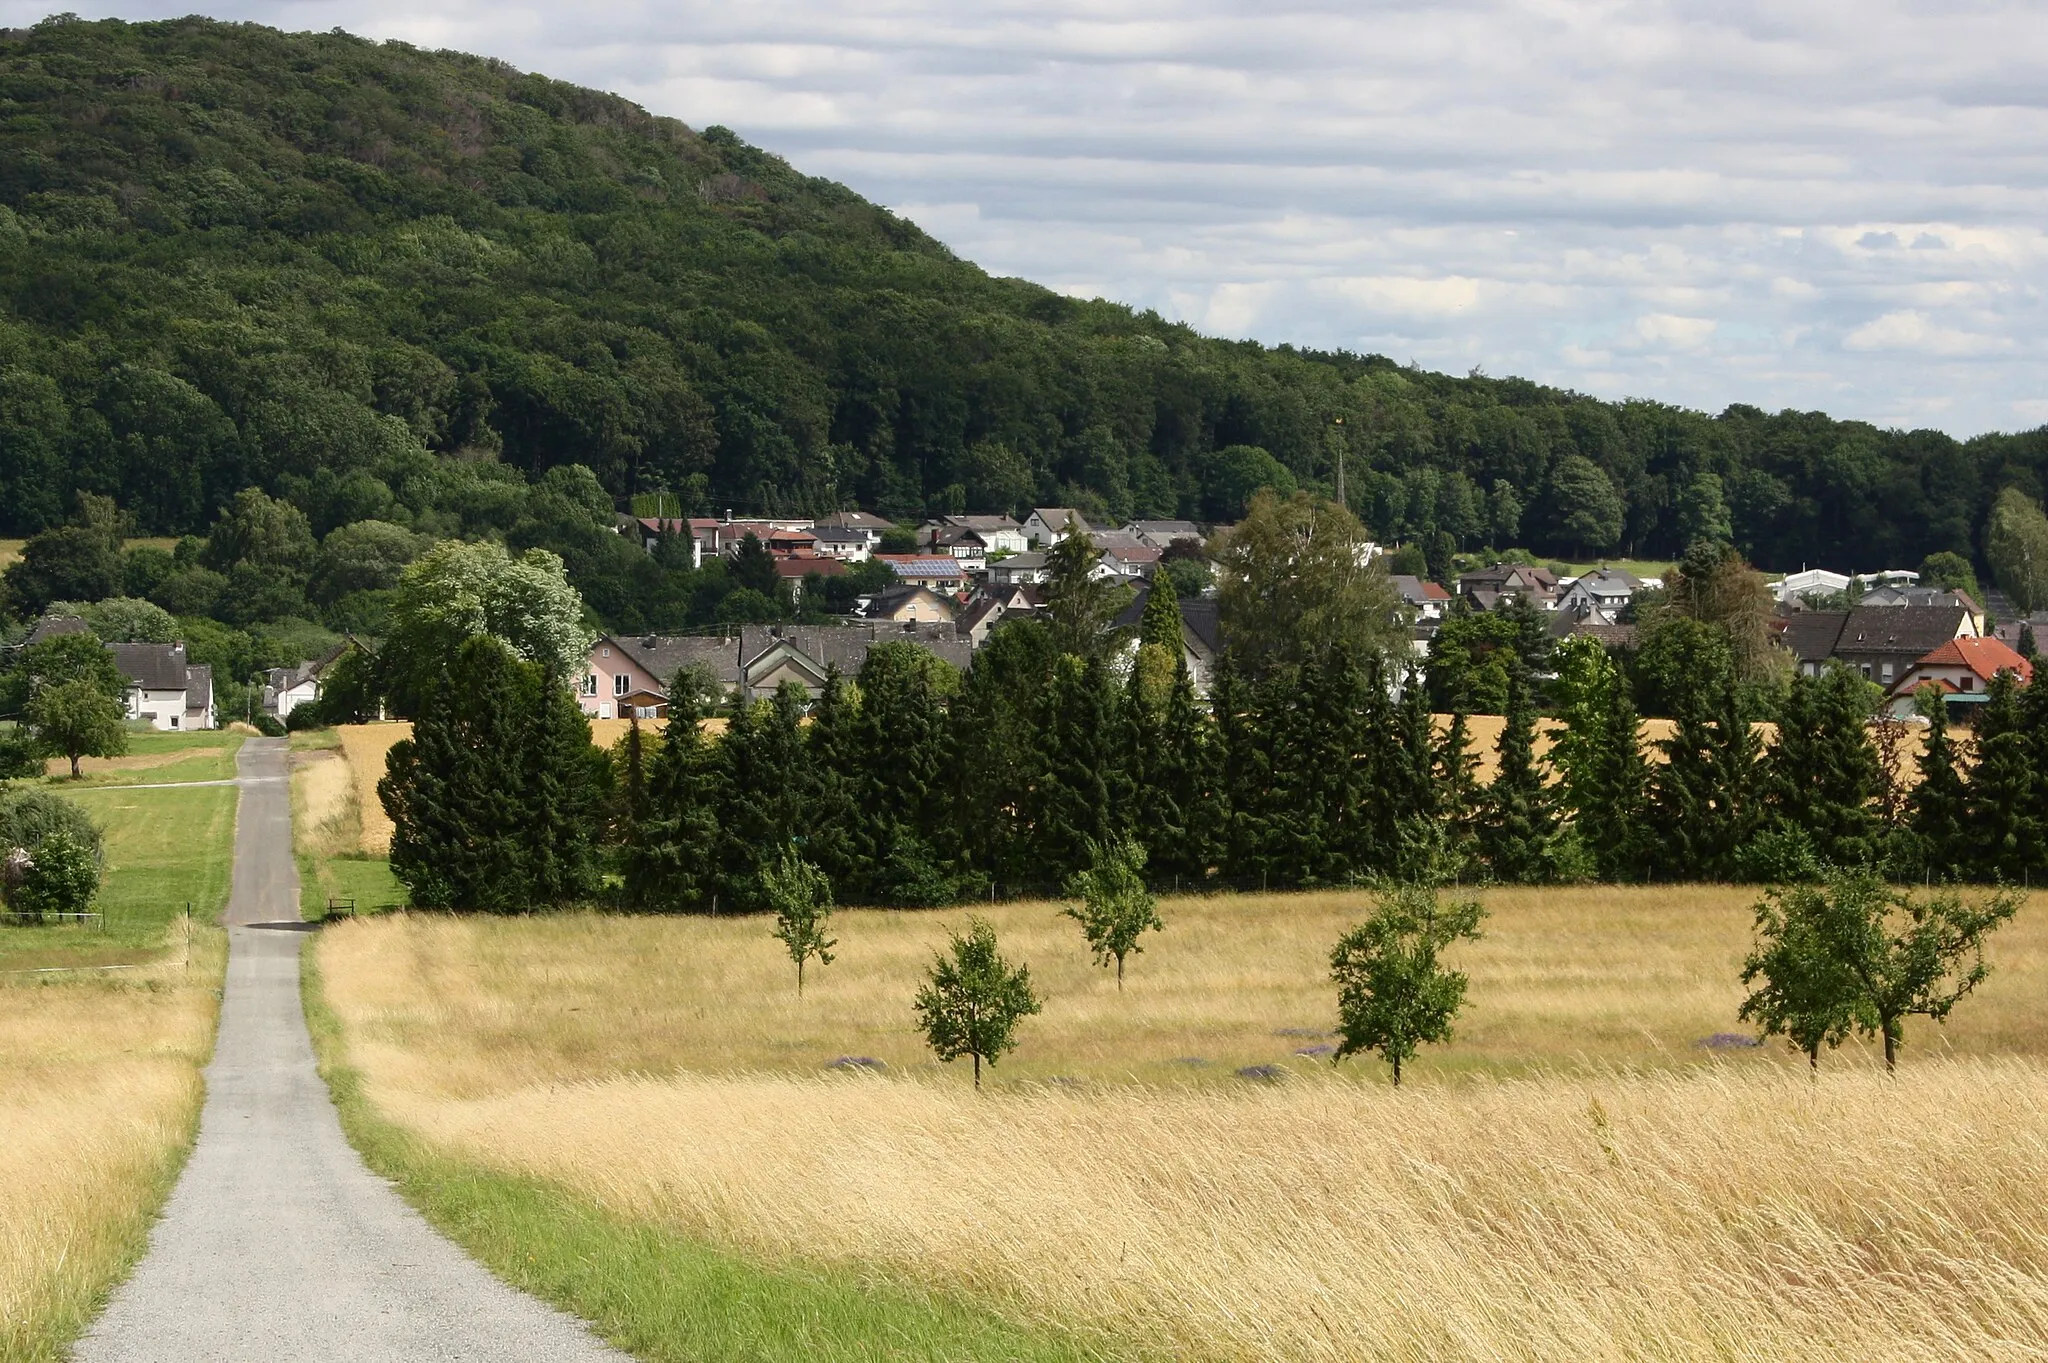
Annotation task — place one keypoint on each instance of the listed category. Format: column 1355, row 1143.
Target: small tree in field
column 1799, row 990
column 77, row 719
column 1392, row 994
column 801, row 896
column 973, row 1000
column 1116, row 909
column 1893, row 954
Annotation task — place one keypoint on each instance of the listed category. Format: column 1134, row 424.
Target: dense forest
column 385, row 284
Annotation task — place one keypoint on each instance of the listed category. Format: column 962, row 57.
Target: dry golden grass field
column 99, row 1068
column 1575, row 1177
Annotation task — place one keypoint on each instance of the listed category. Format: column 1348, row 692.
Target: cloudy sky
column 1826, row 204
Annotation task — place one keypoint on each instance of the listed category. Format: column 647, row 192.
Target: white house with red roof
column 1963, row 669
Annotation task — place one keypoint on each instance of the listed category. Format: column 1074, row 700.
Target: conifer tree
column 453, row 790
column 668, row 865
column 2003, row 786
column 1938, row 810
column 1518, row 819
column 906, row 848
column 1458, row 793
column 1599, row 756
column 762, row 771
column 1184, row 839
column 1244, row 765
column 1160, row 623
column 1822, row 775
column 1071, row 810
column 1702, row 797
column 995, row 727
column 829, row 777
column 565, row 787
column 1409, row 793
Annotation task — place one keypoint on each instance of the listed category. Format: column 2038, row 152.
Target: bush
column 30, row 816
column 64, row 878
column 270, row 726
column 21, row 754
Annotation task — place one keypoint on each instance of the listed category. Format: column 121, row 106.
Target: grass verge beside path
column 656, row 1294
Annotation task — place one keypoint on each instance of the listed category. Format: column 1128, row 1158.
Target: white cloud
column 1914, row 331
column 1809, row 203
column 1674, row 332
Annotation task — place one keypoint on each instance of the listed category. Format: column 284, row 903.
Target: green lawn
column 166, row 757
column 655, row 1294
column 366, row 880
column 165, row 848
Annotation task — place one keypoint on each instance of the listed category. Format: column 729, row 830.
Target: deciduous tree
column 973, row 999
column 1116, row 908
column 1393, row 993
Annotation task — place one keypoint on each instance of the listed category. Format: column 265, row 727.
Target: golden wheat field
column 99, row 1090
column 1574, row 1177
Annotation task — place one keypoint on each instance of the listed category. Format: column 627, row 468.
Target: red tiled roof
column 1985, row 657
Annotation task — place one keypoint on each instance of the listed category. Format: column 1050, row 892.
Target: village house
column 846, row 544
column 630, row 675
column 806, row 654
column 285, row 689
column 991, row 606
column 995, row 534
column 1486, row 588
column 1028, row 568
column 1962, row 669
column 1162, row 534
column 1606, row 590
column 164, row 690
column 941, row 573
column 909, row 603
column 1881, row 643
column 1048, row 525
column 795, row 569
column 865, row 523
column 1427, row 599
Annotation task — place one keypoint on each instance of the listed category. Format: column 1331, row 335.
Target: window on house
column 621, row 684
column 590, row 683
column 1969, row 684
column 1887, row 671
column 1866, row 671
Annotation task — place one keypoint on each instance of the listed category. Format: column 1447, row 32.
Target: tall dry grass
column 1573, row 1178
column 99, row 1091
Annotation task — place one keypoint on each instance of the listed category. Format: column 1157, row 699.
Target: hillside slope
column 233, row 256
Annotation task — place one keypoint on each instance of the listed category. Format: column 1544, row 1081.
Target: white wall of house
column 291, row 698
column 610, row 679
column 163, row 709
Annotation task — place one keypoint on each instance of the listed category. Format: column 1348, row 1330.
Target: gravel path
column 278, row 1243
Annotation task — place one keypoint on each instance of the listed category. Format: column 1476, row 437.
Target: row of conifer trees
column 913, row 784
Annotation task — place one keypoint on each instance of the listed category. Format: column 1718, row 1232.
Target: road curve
column 278, row 1243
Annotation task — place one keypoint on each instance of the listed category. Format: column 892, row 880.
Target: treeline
column 910, row 784
column 390, row 285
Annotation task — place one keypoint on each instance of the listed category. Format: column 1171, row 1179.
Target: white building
column 164, row 689
column 1048, row 525
column 1809, row 582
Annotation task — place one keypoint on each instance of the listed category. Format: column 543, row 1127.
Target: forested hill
column 232, row 256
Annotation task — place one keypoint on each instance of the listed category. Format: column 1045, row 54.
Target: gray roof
column 153, row 667
column 1811, row 635
column 833, row 534
column 846, row 646
column 52, row 625
column 666, row 655
column 1915, row 630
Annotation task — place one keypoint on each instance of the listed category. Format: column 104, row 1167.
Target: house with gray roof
column 164, row 689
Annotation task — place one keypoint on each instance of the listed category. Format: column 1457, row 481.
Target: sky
column 1822, row 205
